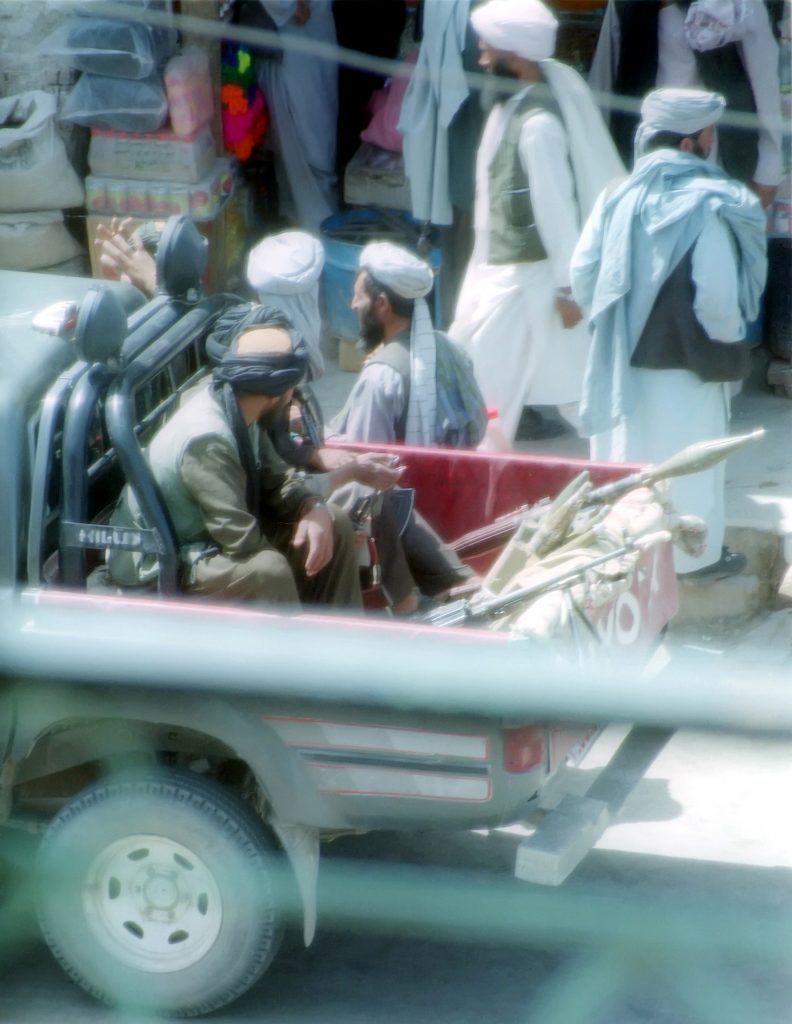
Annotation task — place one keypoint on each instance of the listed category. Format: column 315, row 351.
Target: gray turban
column 397, row 269
column 681, row 111
column 524, row 27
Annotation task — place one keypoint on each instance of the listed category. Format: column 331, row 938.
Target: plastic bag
column 103, row 46
column 118, row 104
column 189, row 88
column 35, row 172
column 385, row 107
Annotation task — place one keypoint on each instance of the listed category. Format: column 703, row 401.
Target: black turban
column 271, row 373
column 260, row 373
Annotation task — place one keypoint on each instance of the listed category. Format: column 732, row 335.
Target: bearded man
column 395, row 400
column 247, row 526
column 671, row 264
column 544, row 157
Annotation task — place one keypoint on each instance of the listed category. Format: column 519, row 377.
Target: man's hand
column 121, row 254
column 315, row 533
column 328, row 459
column 302, row 12
column 766, row 193
column 570, row 312
column 374, row 469
column 377, row 470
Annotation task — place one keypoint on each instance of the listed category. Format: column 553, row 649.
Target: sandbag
column 35, row 172
column 30, row 241
column 117, row 104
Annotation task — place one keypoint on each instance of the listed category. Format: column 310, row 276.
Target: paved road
column 708, row 823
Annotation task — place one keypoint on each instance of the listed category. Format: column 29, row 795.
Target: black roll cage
column 93, row 420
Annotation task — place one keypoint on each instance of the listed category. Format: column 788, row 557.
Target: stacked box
column 155, row 175
column 124, row 196
column 155, row 156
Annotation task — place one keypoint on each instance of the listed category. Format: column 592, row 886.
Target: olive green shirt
column 215, row 479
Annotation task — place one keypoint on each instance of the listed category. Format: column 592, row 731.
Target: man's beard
column 499, row 85
column 372, row 333
column 267, row 420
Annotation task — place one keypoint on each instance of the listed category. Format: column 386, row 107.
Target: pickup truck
column 180, row 829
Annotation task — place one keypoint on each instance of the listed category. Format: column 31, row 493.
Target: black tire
column 160, row 891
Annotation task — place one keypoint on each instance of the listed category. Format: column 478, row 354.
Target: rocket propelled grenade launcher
column 553, row 522
column 692, row 459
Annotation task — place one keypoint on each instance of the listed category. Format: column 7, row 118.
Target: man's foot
column 730, row 563
column 533, row 426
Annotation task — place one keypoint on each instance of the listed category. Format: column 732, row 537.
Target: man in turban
column 395, row 400
column 247, row 527
column 670, row 265
column 544, row 157
column 395, row 396
column 284, row 271
column 725, row 46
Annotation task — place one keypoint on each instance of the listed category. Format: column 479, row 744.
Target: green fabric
column 200, row 417
column 513, row 234
column 195, row 453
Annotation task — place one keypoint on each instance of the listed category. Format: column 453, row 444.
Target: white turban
column 681, row 111
column 398, row 269
column 285, row 264
column 524, row 27
column 284, row 270
column 411, row 278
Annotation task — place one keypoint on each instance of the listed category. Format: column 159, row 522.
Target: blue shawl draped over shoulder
column 636, row 236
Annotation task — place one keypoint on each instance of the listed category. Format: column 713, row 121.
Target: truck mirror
column 59, row 319
column 101, row 326
column 181, row 259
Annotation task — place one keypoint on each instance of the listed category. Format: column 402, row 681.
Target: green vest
column 200, row 416
column 513, row 234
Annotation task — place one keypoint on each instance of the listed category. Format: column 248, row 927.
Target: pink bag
column 385, row 107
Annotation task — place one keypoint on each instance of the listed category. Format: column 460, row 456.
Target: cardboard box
column 157, row 156
column 158, row 198
column 374, row 177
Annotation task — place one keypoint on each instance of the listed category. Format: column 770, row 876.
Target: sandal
column 730, row 563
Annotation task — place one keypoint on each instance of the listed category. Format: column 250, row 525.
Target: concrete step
column 710, row 601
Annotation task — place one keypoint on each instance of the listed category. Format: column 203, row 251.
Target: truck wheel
column 159, row 890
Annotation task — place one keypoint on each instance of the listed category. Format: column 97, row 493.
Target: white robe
column 674, row 408
column 302, row 95
column 506, row 317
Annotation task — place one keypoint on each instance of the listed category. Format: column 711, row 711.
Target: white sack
column 35, row 172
